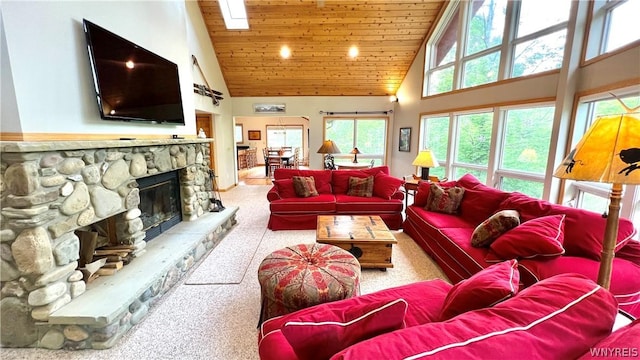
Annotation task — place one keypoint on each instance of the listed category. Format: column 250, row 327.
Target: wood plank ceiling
column 319, row 33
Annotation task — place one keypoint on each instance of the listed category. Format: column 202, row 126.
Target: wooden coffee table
column 366, row 237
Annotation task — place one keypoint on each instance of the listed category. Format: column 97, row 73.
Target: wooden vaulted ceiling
column 319, row 33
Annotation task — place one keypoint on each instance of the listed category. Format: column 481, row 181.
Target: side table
column 410, row 188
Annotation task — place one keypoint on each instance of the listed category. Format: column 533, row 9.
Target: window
column 594, row 196
column 466, row 143
column 472, row 142
column 534, row 43
column 367, row 134
column 239, row 133
column 284, row 135
column 435, row 132
column 525, row 150
column 612, row 26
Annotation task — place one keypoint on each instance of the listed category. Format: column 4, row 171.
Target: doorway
column 204, row 122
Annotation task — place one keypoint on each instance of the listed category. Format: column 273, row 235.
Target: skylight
column 235, row 14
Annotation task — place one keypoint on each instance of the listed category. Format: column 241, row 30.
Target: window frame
column 494, row 173
column 506, row 49
column 345, row 155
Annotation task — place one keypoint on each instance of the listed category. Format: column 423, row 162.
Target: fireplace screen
column 159, row 203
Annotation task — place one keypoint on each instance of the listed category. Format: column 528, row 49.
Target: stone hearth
column 51, row 189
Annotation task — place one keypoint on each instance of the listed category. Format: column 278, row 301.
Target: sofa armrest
column 398, row 195
column 273, row 194
column 630, row 251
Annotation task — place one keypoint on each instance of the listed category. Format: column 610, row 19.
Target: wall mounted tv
column 132, row 83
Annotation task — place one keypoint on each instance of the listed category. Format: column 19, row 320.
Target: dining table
column 284, row 157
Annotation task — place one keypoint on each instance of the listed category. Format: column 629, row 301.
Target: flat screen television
column 132, row 83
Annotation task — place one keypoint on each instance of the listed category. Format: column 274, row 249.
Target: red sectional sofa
column 446, row 238
column 291, row 212
column 562, row 317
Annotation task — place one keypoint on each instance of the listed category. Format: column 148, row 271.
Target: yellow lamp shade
column 609, row 152
column 425, row 158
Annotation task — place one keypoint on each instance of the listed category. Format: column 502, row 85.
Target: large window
column 612, row 26
column 367, row 134
column 594, row 196
column 514, row 158
column 525, row 150
column 483, row 41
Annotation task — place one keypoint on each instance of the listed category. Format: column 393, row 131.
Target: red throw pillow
column 285, row 188
column 322, row 334
column 444, row 200
column 541, row 236
column 385, row 186
column 483, row 289
column 305, row 186
column 360, row 186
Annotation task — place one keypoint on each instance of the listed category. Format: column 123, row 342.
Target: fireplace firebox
column 159, row 203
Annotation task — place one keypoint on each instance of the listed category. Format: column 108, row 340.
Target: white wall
column 50, row 65
column 46, row 79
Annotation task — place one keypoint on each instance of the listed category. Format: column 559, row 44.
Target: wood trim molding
column 14, row 136
column 488, row 106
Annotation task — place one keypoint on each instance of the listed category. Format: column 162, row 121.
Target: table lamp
column 328, row 147
column 609, row 152
column 355, row 153
column 425, row 159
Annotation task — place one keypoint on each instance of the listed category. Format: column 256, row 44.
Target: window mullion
column 506, row 50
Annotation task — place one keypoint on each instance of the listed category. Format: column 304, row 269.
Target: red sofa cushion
column 540, row 237
column 347, row 204
column 625, row 282
column 480, row 201
column 318, row 335
column 621, row 344
column 425, row 300
column 321, row 204
column 322, row 178
column 584, row 229
column 385, row 186
column 285, row 188
column 484, row 289
column 557, row 318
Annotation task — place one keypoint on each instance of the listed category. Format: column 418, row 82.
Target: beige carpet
column 214, row 312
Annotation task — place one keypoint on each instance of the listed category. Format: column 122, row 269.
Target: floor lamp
column 609, row 152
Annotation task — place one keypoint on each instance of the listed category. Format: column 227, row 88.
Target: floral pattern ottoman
column 304, row 275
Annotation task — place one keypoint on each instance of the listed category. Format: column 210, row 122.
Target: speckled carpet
column 213, row 313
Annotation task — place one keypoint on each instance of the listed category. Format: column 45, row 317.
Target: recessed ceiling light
column 353, row 52
column 234, row 14
column 285, row 52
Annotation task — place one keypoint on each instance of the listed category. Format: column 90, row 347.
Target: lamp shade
column 328, row 147
column 425, row 159
column 355, row 151
column 609, row 152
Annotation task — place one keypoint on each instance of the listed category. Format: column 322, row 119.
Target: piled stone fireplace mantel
column 44, row 146
column 50, row 189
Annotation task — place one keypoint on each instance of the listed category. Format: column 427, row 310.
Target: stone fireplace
column 51, row 189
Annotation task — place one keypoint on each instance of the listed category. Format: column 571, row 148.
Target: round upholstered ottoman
column 304, row 275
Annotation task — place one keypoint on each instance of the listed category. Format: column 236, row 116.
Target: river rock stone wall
column 46, row 195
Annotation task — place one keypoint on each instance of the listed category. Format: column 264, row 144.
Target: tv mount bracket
column 205, row 90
